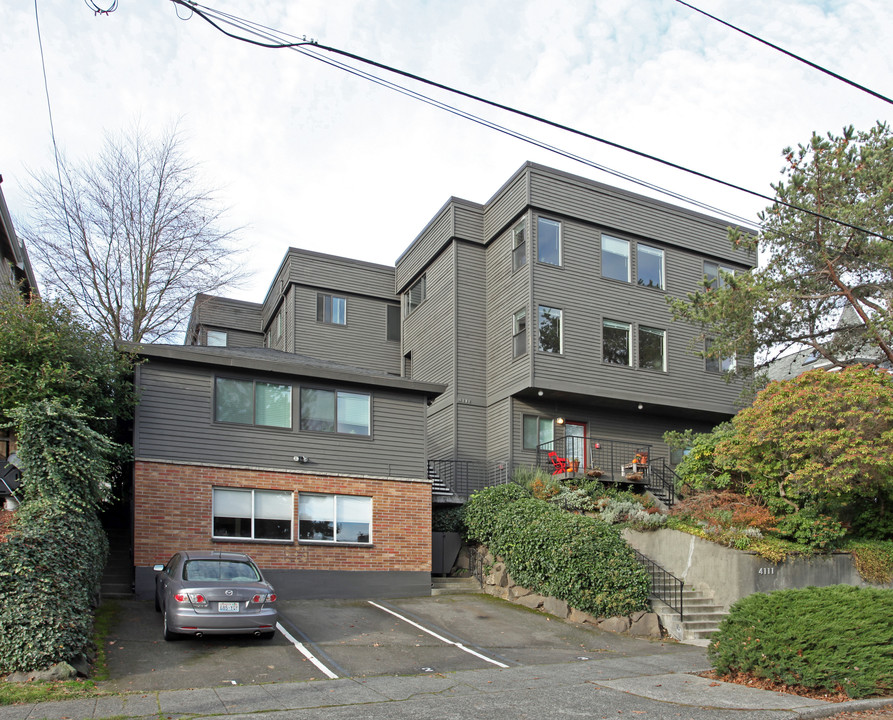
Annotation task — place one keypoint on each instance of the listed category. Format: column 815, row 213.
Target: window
column 519, row 333
column 717, row 364
column 650, row 264
column 550, row 329
column 652, row 348
column 252, row 403
column 713, row 274
column 615, row 258
column 536, row 431
column 334, row 518
column 331, row 309
column 253, row 514
column 415, row 296
column 216, row 338
column 548, row 241
column 335, row 411
column 615, row 342
column 519, row 246
column 393, row 323
column 279, row 323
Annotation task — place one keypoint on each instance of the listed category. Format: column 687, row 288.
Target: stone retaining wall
column 498, row 582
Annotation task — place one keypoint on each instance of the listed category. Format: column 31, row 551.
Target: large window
column 334, row 518
column 415, row 296
column 713, row 274
column 550, row 329
column 335, row 411
column 615, row 258
column 252, row 514
column 252, row 403
column 519, row 245
column 548, row 241
column 615, row 343
column 519, row 333
column 216, row 338
column 331, row 309
column 717, row 364
column 652, row 348
column 536, row 431
column 650, row 264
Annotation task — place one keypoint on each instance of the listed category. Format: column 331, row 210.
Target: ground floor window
column 334, row 518
column 536, row 431
column 253, row 514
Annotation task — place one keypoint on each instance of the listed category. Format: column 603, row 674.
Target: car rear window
column 220, row 570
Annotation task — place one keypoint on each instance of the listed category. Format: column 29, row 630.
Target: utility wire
column 790, row 54
column 203, row 12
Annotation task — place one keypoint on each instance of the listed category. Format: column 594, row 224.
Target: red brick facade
column 172, row 511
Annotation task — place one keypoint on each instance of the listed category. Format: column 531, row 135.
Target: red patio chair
column 559, row 463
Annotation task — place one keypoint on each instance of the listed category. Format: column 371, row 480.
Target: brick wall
column 172, row 511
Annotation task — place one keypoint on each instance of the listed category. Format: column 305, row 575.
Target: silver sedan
column 203, row 593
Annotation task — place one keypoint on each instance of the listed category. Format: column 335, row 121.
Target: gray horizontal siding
column 425, row 247
column 508, row 202
column 227, row 314
column 468, row 223
column 471, row 326
column 174, row 421
column 241, row 339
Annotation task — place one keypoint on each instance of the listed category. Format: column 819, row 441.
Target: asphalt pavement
column 487, row 660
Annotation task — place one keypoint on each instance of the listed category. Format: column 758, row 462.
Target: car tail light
column 198, row 600
column 271, row 597
column 257, row 599
column 180, row 597
column 264, row 598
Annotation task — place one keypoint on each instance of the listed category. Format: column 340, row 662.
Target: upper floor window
column 393, row 323
column 615, row 258
column 548, row 241
column 717, row 364
column 519, row 333
column 519, row 245
column 415, row 296
column 536, row 431
column 252, row 403
column 713, row 274
column 335, row 411
column 652, row 348
column 550, row 329
column 650, row 265
column 616, row 342
column 331, row 309
column 280, row 323
column 216, row 338
column 252, row 514
column 334, row 518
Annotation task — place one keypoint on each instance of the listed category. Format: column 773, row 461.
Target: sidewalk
column 602, row 685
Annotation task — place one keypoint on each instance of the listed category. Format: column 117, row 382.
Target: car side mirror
column 158, row 568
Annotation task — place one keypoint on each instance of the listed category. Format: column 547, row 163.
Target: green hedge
column 575, row 558
column 50, row 568
column 830, row 638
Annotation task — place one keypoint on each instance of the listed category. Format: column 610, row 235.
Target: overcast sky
column 309, row 156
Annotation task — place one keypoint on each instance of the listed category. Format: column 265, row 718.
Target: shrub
column 873, row 559
column 835, row 638
column 574, row 500
column 448, row 519
column 812, row 529
column 50, row 567
column 575, row 558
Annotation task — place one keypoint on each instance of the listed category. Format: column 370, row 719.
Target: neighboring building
column 535, row 322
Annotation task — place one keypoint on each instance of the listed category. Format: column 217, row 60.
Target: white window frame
column 540, row 222
column 519, row 246
column 415, row 295
column 663, row 347
column 545, row 430
column 253, row 409
column 656, row 252
column 721, row 365
column 618, row 243
column 713, row 274
column 331, row 309
column 519, row 333
column 339, row 506
column 216, row 338
column 253, row 496
column 617, row 325
column 539, row 316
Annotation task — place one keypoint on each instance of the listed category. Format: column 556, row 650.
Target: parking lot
column 327, row 639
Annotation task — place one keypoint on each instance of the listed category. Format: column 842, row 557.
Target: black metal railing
column 665, row 586
column 594, row 454
column 463, row 477
column 661, row 480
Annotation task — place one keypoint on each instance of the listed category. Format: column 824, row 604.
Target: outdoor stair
column 454, row 586
column 117, row 577
column 700, row 620
column 438, row 486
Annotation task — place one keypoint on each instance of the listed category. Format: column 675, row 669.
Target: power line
column 790, row 54
column 203, row 12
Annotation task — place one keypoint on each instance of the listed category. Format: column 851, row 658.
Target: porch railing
column 665, row 586
column 463, row 477
column 609, row 456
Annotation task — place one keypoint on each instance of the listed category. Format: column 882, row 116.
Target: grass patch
column 106, row 616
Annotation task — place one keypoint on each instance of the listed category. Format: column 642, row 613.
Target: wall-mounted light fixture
column 539, row 392
column 640, row 406
column 302, row 459
column 560, row 420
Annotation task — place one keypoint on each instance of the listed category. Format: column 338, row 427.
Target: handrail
column 665, row 586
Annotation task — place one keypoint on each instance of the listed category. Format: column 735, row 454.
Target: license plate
column 228, row 607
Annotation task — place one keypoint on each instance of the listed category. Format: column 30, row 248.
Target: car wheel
column 268, row 636
column 168, row 635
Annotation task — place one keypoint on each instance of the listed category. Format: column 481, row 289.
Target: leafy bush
column 448, row 519
column 700, row 469
column 812, row 529
column 50, row 567
column 574, row 500
column 575, row 558
column 835, row 638
column 873, row 559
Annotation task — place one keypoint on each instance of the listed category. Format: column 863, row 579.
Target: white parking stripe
column 306, row 653
column 439, row 637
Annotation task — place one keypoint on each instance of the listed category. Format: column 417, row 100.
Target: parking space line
column 306, row 653
column 439, row 637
